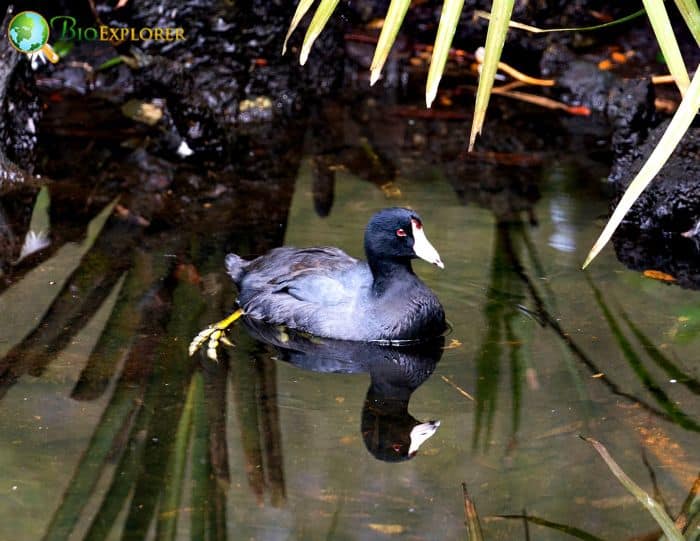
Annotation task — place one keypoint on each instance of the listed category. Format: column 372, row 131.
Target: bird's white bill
column 421, row 433
column 423, row 248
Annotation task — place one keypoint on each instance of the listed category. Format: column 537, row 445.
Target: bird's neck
column 386, row 270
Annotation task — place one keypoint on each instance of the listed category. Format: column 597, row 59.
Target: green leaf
column 392, row 23
column 63, row 48
column 680, row 123
column 691, row 15
column 302, row 8
column 40, row 222
column 451, row 10
column 535, row 30
column 656, row 510
column 658, row 17
column 110, row 63
column 318, row 23
column 495, row 38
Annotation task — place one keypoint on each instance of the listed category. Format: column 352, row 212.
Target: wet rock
column 229, row 72
column 661, row 229
column 670, row 205
column 676, row 256
column 628, row 104
column 584, row 84
column 19, row 114
column 630, row 111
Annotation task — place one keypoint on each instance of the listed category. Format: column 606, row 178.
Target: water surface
column 116, row 433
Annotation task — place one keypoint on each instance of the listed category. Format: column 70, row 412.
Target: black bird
column 325, row 292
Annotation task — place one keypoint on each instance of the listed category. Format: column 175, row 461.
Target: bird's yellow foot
column 214, row 334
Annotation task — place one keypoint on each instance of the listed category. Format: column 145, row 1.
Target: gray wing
column 307, row 289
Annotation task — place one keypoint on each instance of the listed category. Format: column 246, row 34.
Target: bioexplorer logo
column 68, row 30
column 29, row 32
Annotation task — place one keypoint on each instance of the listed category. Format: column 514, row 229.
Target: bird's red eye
column 396, row 447
column 400, row 233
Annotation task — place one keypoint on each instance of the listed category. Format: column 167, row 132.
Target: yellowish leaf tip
column 472, row 140
column 375, row 75
column 591, row 255
column 597, row 247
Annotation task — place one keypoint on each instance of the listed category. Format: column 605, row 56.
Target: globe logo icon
column 28, row 32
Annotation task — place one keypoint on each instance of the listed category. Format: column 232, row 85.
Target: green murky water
column 118, row 434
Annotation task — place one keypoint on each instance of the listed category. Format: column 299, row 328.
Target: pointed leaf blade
column 451, row 10
column 302, row 8
column 658, row 17
column 318, row 23
column 495, row 39
column 392, row 23
column 657, row 511
column 691, row 14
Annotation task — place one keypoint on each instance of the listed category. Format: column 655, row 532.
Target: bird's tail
column 235, row 267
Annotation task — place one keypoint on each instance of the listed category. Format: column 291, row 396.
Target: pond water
column 111, row 431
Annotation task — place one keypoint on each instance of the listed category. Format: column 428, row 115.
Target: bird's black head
column 397, row 233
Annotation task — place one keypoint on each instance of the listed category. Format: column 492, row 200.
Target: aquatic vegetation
column 474, row 532
column 656, row 510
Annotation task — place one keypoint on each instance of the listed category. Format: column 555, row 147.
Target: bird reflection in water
column 389, row 431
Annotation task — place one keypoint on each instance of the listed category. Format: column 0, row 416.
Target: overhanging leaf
column 495, row 38
column 535, row 30
column 691, row 14
column 302, row 8
column 318, row 23
column 656, row 510
column 392, row 23
column 658, row 17
column 451, row 10
column 680, row 123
